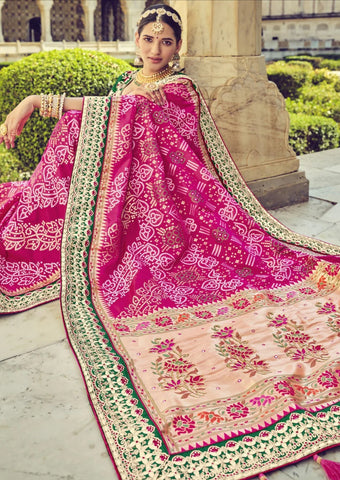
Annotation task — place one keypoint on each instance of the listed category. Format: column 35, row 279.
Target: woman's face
column 156, row 50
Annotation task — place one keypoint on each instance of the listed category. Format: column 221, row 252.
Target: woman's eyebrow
column 151, row 36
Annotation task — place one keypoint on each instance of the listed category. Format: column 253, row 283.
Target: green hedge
column 289, row 77
column 331, row 64
column 321, row 100
column 309, row 134
column 75, row 71
column 10, row 169
column 314, row 61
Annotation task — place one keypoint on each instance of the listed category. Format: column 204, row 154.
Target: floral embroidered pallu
column 207, row 333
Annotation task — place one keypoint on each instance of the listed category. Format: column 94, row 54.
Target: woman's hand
column 157, row 95
column 17, row 118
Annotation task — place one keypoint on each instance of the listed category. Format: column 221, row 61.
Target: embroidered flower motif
column 183, row 317
column 307, row 291
column 172, row 385
column 299, row 354
column 278, row 321
column 183, row 424
column 295, row 343
column 262, row 400
column 291, row 294
column 322, row 283
column 196, row 380
column 162, row 346
column 327, row 308
column 210, row 417
column 333, row 321
column 237, row 410
column 142, row 325
column 121, row 328
column 284, row 388
column 241, row 303
column 275, row 298
column 174, row 371
column 163, row 321
column 240, row 351
column 328, row 380
column 225, row 332
column 203, row 314
column 179, row 365
column 306, row 390
column 332, row 270
column 222, row 311
column 236, row 352
column 297, row 337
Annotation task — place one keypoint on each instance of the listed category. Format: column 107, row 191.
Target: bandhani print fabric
column 207, row 333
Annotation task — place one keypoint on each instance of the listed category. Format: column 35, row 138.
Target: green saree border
column 122, row 417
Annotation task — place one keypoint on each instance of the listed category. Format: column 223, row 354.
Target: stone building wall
column 296, row 26
column 15, row 19
column 66, row 20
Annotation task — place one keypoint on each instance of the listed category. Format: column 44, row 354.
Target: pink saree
column 207, row 333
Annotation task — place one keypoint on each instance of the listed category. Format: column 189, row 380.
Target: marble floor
column 47, row 429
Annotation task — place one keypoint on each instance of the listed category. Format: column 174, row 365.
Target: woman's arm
column 18, row 117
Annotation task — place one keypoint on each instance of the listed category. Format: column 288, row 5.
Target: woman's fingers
column 158, row 96
column 154, row 95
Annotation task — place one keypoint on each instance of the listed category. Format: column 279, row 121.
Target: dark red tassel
column 331, row 468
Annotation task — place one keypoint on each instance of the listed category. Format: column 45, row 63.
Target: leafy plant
column 321, row 100
column 309, row 134
column 10, row 168
column 289, row 77
column 314, row 61
column 75, row 71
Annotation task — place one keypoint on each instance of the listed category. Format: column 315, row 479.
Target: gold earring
column 175, row 62
column 138, row 61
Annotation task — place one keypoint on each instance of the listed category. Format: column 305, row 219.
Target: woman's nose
column 156, row 47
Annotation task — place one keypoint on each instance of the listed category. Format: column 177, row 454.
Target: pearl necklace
column 149, row 81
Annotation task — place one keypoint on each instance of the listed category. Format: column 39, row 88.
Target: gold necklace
column 149, row 81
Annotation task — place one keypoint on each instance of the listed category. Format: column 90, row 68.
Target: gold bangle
column 43, row 105
column 61, row 105
column 55, row 106
column 49, row 107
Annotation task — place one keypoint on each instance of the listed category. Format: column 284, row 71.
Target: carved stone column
column 223, row 54
column 1, row 31
column 89, row 8
column 45, row 12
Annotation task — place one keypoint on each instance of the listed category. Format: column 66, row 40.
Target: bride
column 204, row 328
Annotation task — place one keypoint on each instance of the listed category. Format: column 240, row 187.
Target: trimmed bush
column 321, row 100
column 309, row 134
column 4, row 64
column 331, row 64
column 323, row 75
column 75, row 71
column 314, row 61
column 290, row 78
column 10, row 170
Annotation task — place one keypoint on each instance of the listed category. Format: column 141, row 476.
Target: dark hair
column 164, row 18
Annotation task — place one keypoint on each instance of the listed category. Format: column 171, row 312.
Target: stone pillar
column 223, row 54
column 89, row 8
column 1, row 32
column 45, row 13
column 134, row 10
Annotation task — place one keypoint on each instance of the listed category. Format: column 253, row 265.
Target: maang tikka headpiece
column 157, row 26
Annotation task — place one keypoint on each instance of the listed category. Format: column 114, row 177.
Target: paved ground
column 47, row 429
